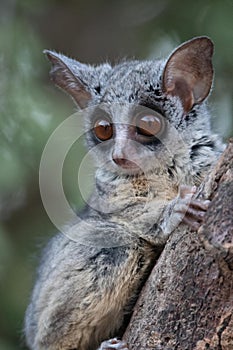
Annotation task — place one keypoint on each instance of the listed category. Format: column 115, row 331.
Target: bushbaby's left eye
column 149, row 124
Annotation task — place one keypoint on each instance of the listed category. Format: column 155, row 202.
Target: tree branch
column 187, row 302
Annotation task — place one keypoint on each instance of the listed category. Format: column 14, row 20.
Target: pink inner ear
column 188, row 73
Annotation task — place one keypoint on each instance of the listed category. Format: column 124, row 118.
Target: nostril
column 120, row 161
column 124, row 163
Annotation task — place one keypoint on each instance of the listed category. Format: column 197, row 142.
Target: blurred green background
column 31, row 108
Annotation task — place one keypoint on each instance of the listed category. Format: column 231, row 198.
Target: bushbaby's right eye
column 103, row 129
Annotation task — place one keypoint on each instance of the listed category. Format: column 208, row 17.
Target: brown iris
column 148, row 125
column 103, row 129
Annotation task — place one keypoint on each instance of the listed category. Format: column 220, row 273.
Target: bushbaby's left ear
column 188, row 73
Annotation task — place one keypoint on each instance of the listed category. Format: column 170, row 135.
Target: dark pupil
column 103, row 130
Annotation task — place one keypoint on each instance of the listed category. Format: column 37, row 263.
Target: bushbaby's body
column 149, row 131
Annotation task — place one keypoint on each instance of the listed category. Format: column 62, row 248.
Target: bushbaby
column 148, row 128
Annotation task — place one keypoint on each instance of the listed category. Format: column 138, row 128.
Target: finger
column 193, row 213
column 194, row 225
column 204, row 205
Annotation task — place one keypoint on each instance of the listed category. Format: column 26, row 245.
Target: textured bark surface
column 187, row 302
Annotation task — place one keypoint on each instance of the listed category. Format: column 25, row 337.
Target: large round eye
column 149, row 125
column 103, row 129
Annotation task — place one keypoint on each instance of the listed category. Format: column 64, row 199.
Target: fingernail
column 207, row 202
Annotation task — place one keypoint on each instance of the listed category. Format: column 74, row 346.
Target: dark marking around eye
column 153, row 144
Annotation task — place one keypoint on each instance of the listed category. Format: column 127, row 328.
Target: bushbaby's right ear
column 79, row 80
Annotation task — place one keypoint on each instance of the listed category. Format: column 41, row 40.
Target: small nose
column 120, row 161
column 124, row 149
column 118, row 156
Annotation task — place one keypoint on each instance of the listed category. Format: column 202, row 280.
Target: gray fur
column 84, row 293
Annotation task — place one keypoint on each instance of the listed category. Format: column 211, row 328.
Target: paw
column 113, row 344
column 192, row 210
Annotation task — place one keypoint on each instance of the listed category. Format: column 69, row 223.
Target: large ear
column 188, row 73
column 65, row 73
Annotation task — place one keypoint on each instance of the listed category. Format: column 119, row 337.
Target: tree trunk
column 187, row 302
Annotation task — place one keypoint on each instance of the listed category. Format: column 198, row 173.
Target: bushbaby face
column 141, row 115
column 125, row 137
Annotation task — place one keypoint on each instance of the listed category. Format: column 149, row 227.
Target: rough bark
column 187, row 302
